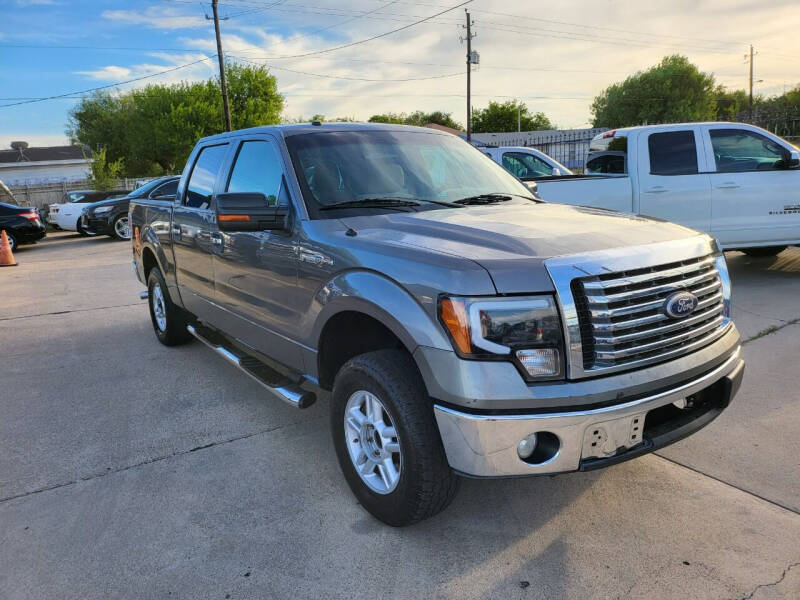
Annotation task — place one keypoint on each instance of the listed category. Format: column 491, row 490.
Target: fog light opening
column 539, row 447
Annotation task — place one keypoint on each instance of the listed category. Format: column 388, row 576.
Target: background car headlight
column 525, row 330
column 103, row 209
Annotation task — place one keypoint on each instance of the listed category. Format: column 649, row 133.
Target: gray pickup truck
column 462, row 326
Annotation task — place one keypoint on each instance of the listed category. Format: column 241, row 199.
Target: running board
column 275, row 383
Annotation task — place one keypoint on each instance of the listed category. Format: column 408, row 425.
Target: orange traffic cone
column 6, row 257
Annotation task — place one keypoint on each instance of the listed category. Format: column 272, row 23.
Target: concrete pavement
column 130, row 470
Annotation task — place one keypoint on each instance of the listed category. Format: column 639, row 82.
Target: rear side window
column 257, row 169
column 673, row 153
column 200, row 188
column 526, row 165
column 607, row 164
column 737, row 150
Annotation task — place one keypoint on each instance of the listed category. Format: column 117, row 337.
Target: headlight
column 102, row 209
column 524, row 330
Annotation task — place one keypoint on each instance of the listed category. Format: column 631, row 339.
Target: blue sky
column 554, row 56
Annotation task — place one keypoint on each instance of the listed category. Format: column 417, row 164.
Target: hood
column 111, row 202
column 513, row 239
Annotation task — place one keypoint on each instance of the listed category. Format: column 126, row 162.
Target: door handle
column 659, row 189
column 728, row 185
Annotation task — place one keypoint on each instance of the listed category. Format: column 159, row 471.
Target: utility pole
column 225, row 107
column 751, row 83
column 470, row 61
column 519, row 117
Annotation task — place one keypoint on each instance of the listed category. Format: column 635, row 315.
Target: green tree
column 729, row 104
column 154, row 128
column 103, row 174
column 499, row 117
column 673, row 91
column 419, row 118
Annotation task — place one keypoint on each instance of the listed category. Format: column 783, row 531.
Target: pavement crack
column 770, row 330
column 66, row 312
column 731, row 485
column 150, row 461
column 773, row 584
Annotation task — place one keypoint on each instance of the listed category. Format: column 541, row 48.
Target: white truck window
column 673, row 153
column 737, row 150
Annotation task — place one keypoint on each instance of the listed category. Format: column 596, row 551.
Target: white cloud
column 157, row 17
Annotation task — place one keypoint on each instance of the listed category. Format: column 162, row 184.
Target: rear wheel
column 121, row 230
column 387, row 441
column 169, row 320
column 764, row 251
column 12, row 241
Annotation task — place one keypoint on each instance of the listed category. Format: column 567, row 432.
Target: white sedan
column 67, row 214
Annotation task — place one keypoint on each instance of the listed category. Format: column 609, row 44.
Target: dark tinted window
column 673, row 153
column 257, row 168
column 168, row 189
column 736, row 150
column 201, row 182
column 613, row 164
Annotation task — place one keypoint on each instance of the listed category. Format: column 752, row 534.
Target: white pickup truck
column 737, row 182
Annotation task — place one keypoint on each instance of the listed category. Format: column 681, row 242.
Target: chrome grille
column 622, row 319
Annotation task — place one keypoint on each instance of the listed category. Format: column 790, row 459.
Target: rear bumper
column 481, row 445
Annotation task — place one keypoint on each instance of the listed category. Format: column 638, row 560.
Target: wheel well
column 348, row 334
column 148, row 262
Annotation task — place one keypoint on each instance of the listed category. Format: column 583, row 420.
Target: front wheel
column 169, row 320
column 387, row 441
column 120, row 229
column 764, row 251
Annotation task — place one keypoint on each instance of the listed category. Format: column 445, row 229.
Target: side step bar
column 278, row 385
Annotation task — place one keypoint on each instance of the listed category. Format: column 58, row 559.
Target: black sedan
column 22, row 224
column 110, row 217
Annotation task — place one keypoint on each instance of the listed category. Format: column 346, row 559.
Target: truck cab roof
column 303, row 128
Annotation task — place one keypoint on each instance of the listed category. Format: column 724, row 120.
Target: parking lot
column 128, row 469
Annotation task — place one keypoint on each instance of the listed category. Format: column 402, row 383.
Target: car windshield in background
column 352, row 166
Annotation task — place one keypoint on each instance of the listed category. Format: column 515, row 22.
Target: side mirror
column 794, row 160
column 245, row 211
column 556, row 171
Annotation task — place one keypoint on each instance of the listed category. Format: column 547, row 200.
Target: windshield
column 352, row 166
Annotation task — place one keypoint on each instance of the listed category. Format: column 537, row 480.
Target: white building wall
column 44, row 172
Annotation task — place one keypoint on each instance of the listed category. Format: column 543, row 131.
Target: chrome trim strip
column 673, row 325
column 603, row 327
column 667, row 287
column 636, row 308
column 671, row 341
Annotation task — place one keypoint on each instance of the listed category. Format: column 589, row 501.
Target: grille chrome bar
column 669, row 341
column 643, row 293
column 650, row 305
column 656, row 318
column 647, row 277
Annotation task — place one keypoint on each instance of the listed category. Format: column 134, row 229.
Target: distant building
column 22, row 164
column 445, row 128
column 568, row 146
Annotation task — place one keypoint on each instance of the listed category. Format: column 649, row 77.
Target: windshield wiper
column 484, row 199
column 372, row 203
column 384, row 201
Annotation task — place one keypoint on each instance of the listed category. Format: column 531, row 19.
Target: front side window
column 737, row 150
column 200, row 188
column 351, row 166
column 257, row 169
column 168, row 189
column 526, row 165
column 673, row 153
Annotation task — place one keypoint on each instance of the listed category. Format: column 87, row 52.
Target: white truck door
column 755, row 199
column 672, row 184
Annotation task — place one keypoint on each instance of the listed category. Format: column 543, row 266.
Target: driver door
column 754, row 198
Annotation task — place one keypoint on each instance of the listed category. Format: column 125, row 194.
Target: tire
column 424, row 484
column 169, row 321
column 81, row 231
column 12, row 241
column 120, row 229
column 764, row 251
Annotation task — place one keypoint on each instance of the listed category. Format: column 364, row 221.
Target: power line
column 345, row 77
column 103, row 87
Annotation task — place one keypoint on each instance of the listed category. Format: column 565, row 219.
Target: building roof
column 444, row 128
column 44, row 154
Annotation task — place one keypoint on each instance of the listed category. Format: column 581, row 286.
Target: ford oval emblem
column 680, row 304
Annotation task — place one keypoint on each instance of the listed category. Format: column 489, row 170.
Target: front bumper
column 482, row 445
column 99, row 226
